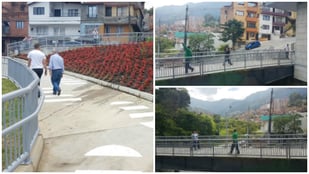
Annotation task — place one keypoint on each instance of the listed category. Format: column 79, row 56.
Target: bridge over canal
column 249, row 68
column 256, row 154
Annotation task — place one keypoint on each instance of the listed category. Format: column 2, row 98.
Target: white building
column 54, row 18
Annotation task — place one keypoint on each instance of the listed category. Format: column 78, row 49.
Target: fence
column 249, row 147
column 173, row 67
column 19, row 114
column 66, row 42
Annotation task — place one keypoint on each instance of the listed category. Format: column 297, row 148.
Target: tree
column 232, row 30
column 210, row 20
column 288, row 124
column 200, row 42
column 165, row 43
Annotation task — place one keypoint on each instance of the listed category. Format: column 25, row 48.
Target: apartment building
column 112, row 17
column 14, row 23
column 245, row 12
column 54, row 18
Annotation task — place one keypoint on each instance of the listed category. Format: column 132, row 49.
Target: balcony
column 252, row 9
column 120, row 20
column 269, row 11
column 278, row 23
column 252, row 30
column 251, row 19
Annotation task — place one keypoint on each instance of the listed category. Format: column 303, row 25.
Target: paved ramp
column 90, row 128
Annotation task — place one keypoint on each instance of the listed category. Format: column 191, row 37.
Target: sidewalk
column 94, row 128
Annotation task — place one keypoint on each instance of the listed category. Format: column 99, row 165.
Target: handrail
column 20, row 110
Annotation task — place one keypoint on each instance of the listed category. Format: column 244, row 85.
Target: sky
column 160, row 3
column 214, row 94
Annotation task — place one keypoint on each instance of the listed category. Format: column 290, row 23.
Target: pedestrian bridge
column 177, row 153
column 169, row 68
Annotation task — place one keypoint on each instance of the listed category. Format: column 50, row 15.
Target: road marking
column 149, row 124
column 121, row 103
column 62, row 100
column 62, row 95
column 142, row 115
column 138, row 107
column 113, row 150
column 107, row 171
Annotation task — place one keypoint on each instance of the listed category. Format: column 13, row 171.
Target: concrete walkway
column 93, row 128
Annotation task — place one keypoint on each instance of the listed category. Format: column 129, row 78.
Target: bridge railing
column 20, row 110
column 173, row 67
column 249, row 147
column 65, row 42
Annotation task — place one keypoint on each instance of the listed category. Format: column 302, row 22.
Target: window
column 57, row 12
column 90, row 28
column 107, row 29
column 251, row 15
column 241, row 3
column 252, row 34
column 252, row 4
column 22, row 7
column 38, row 11
column 19, row 24
column 92, row 11
column 239, row 13
column 59, row 31
column 73, row 12
column 122, row 11
column 265, row 27
column 266, row 18
column 41, row 30
column 108, row 11
column 250, row 25
column 119, row 29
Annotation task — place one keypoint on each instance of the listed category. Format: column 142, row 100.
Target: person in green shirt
column 235, row 142
column 188, row 57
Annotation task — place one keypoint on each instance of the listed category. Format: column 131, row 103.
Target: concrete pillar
column 300, row 69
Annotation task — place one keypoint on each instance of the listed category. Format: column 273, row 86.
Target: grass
column 8, row 86
column 11, row 108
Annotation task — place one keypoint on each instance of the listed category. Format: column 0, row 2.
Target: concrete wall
column 229, row 164
column 300, row 70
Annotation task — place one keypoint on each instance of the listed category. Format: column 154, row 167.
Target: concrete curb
column 35, row 157
column 125, row 89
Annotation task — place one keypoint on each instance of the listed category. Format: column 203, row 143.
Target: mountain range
column 254, row 101
column 172, row 13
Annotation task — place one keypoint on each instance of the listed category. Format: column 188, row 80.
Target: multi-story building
column 54, row 18
column 81, row 18
column 112, row 17
column 14, row 23
column 245, row 12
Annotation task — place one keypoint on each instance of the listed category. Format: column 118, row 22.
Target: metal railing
column 20, row 110
column 65, row 42
column 249, row 147
column 174, row 67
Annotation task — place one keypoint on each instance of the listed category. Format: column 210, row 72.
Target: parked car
column 253, row 44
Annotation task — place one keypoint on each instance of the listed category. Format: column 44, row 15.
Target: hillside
column 253, row 101
column 169, row 14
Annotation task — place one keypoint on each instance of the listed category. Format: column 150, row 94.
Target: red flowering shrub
column 128, row 65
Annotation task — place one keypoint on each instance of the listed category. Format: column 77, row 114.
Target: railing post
column 260, row 150
column 173, row 69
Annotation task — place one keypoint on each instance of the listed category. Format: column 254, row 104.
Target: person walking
column 235, row 142
column 188, row 57
column 195, row 140
column 56, row 67
column 287, row 51
column 37, row 61
column 227, row 55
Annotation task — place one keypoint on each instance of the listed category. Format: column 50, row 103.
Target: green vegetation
column 201, row 42
column 174, row 119
column 288, row 124
column 8, row 86
column 165, row 44
column 232, row 30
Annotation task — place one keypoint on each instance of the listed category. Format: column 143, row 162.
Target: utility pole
column 186, row 23
column 159, row 38
column 270, row 111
